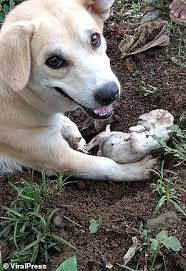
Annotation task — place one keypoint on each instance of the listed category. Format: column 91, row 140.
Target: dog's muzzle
column 104, row 95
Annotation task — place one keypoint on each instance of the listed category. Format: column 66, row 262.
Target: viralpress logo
column 25, row 266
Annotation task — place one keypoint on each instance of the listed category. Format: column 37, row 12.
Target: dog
column 53, row 60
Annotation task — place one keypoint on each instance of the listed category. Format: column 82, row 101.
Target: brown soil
column 121, row 207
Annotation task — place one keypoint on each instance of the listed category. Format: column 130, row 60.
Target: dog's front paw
column 146, row 166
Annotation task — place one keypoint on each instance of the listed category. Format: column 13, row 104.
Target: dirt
column 121, row 207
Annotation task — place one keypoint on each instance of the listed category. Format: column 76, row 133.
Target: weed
column 148, row 89
column 178, row 140
column 136, row 7
column 1, row 262
column 135, row 10
column 68, row 265
column 158, row 4
column 166, row 188
column 162, row 240
column 94, row 225
column 179, row 56
column 6, row 6
column 26, row 225
column 150, row 247
column 183, row 116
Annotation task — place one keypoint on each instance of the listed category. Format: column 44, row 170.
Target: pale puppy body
column 138, row 143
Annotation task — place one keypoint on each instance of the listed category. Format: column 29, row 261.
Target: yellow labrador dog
column 52, row 60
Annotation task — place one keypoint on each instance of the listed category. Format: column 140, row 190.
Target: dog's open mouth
column 103, row 112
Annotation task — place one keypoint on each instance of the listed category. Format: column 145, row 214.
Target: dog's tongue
column 105, row 110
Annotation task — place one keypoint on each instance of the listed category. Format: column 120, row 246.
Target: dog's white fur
column 32, row 126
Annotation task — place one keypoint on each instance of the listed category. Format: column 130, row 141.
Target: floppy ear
column 15, row 58
column 101, row 7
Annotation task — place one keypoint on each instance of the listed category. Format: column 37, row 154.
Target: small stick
column 73, row 222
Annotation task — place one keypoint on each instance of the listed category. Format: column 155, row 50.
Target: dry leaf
column 146, row 36
column 131, row 251
column 130, row 66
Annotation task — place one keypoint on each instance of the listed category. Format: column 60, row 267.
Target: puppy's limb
column 71, row 134
column 46, row 149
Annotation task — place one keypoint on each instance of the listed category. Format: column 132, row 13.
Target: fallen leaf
column 131, row 251
column 130, row 66
column 146, row 36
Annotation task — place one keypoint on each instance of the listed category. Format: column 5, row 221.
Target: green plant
column 158, row 4
column 151, row 247
column 163, row 240
column 179, row 53
column 178, row 141
column 134, row 9
column 148, row 89
column 136, row 6
column 94, row 225
column 68, row 265
column 6, row 6
column 178, row 138
column 26, row 224
column 1, row 262
column 49, row 188
column 183, row 116
column 166, row 188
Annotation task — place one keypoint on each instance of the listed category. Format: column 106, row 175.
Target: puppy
column 53, row 59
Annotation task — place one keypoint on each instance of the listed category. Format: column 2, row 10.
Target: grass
column 167, row 190
column 177, row 146
column 28, row 226
column 148, row 89
column 165, row 185
column 179, row 52
column 150, row 247
column 6, row 6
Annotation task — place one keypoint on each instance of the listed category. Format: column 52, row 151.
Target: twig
column 126, row 267
column 73, row 222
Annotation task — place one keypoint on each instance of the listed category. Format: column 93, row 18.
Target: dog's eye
column 95, row 40
column 56, row 62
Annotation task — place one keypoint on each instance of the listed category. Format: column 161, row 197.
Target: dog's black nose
column 107, row 93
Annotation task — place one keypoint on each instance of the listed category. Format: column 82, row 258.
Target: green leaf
column 94, row 226
column 176, row 129
column 162, row 235
column 154, row 245
column 68, row 265
column 6, row 8
column 178, row 208
column 159, row 140
column 2, row 17
column 173, row 243
column 161, row 202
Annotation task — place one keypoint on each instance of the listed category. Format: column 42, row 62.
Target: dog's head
column 56, row 49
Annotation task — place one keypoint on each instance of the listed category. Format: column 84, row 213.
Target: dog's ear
column 15, row 56
column 100, row 7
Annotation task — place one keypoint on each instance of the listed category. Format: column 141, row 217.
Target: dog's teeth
column 103, row 111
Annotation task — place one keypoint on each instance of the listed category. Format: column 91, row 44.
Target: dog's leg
column 45, row 148
column 102, row 168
